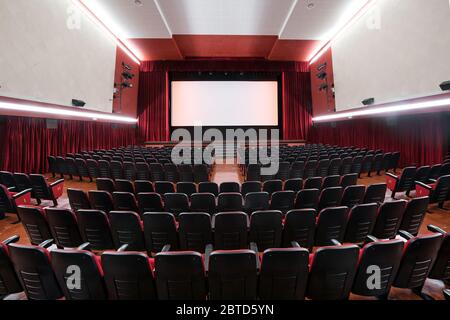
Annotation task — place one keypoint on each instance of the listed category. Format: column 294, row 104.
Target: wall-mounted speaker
column 78, row 103
column 445, row 86
column 368, row 102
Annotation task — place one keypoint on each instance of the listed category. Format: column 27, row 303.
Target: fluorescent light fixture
column 383, row 110
column 339, row 30
column 65, row 112
column 117, row 37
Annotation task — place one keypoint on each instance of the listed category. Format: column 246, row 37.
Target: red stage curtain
column 154, row 100
column 419, row 138
column 28, row 142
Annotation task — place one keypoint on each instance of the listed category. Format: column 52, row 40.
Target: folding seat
column 445, row 170
column 180, row 276
column 44, row 191
column 297, row 170
column 332, row 271
column 313, row 183
column 330, row 197
column 310, row 169
column 394, row 161
column 284, row 274
column 78, row 199
column 307, row 199
column 377, row 164
column 208, row 187
column 91, row 286
column 34, row 270
column 414, row 214
column 160, row 229
column 9, row 283
column 163, row 187
column 203, row 202
column 142, row 171
column 230, row 201
column 422, row 174
column 187, row 188
column 116, row 170
column 441, row 267
column 82, row 169
column 201, row 173
column 128, row 276
column 94, row 228
column 403, row 183
column 63, row 227
column 71, row 167
column 361, row 221
column 250, row 186
column 186, row 173
column 176, row 203
column 171, row 173
column 386, row 255
column 101, row 200
column 129, row 171
column 230, row 230
column 104, row 170
column 253, row 172
column 7, row 179
column 346, row 166
column 357, row 165
column 229, row 187
column 299, row 226
column 334, row 169
column 124, row 186
column 96, row 157
column 23, row 182
column 349, row 180
column 126, row 228
column 256, row 201
column 52, row 165
column 106, row 184
column 366, row 164
column 331, row 224
column 141, row 186
column 330, row 182
column 92, row 167
column 353, row 195
column 194, row 231
column 419, row 256
column 283, row 171
column 437, row 192
column 282, row 201
column 157, row 172
column 390, row 215
column 61, row 166
column 232, row 275
column 375, row 193
column 293, row 185
column 434, row 173
column 266, row 229
column 35, row 224
column 272, row 186
column 9, row 201
column 322, row 168
column 149, row 202
column 125, row 201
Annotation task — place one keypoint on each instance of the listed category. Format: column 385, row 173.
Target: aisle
column 226, row 173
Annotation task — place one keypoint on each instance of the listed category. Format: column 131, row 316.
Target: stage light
column 127, row 75
column 323, row 86
column 78, row 103
column 445, row 86
column 127, row 85
column 385, row 110
column 368, row 102
column 65, row 112
column 321, row 75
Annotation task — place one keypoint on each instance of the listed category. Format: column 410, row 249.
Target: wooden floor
column 225, row 173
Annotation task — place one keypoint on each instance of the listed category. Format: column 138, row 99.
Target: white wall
column 407, row 57
column 42, row 59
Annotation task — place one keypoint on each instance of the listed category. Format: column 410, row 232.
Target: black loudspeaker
column 368, row 102
column 51, row 124
column 445, row 86
column 78, row 103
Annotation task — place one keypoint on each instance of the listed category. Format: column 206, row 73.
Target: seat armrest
column 166, row 248
column 12, row 239
column 432, row 180
column 335, row 242
column 447, row 294
column 392, row 175
column 370, row 239
column 85, row 246
column 436, row 229
column 21, row 193
column 46, row 244
column 11, row 189
column 254, row 248
column 123, row 248
column 423, row 185
column 405, row 234
column 295, row 244
column 208, row 249
column 56, row 182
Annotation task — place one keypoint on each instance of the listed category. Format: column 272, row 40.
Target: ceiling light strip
column 99, row 23
column 288, row 17
column 65, row 112
column 384, row 110
column 163, row 17
column 316, row 55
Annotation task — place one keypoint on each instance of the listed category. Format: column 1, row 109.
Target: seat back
column 330, row 197
column 283, row 170
column 106, row 184
column 125, row 201
column 201, row 173
column 176, row 203
column 128, row 276
column 35, row 224
column 307, row 199
column 349, row 180
column 194, row 231
column 253, row 172
column 156, row 172
column 82, row 167
column 313, row 183
column 375, row 193
column 232, row 275
column 297, row 170
column 35, row 273
column 434, row 172
column 422, row 174
column 188, row 188
column 406, row 180
column 208, row 187
column 7, row 179
column 332, row 272
column 6, row 202
column 229, row 187
column 92, row 167
column 361, row 222
column 142, row 171
column 171, row 173
column 104, row 170
column 441, row 190
column 116, row 170
column 266, row 229
column 331, row 182
column 129, row 171
column 186, row 173
column 78, row 199
column 310, row 169
column 353, row 195
column 126, row 228
column 101, row 200
column 159, row 230
column 124, row 186
column 293, row 185
column 9, row 283
column 441, row 267
column 299, row 226
column 414, row 214
column 389, row 218
column 322, row 167
column 141, row 186
column 230, row 202
column 256, row 201
column 346, row 166
column 334, row 168
column 94, row 228
column 163, row 187
column 150, row 202
column 203, row 202
column 230, row 230
column 282, row 201
column 90, row 286
column 180, row 276
column 331, row 224
column 250, row 186
column 284, row 274
column 63, row 227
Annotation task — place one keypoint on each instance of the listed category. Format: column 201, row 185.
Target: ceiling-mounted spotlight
column 78, row 103
column 309, row 4
column 127, row 85
column 126, row 66
column 322, row 66
column 322, row 75
column 127, row 75
column 323, row 86
column 445, row 86
column 368, row 102
column 138, row 3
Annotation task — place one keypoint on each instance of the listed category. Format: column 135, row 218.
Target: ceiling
column 182, row 29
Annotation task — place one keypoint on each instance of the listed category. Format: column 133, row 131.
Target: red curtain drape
column 419, row 138
column 154, row 98
column 28, row 142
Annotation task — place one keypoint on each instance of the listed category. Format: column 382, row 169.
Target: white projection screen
column 224, row 103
